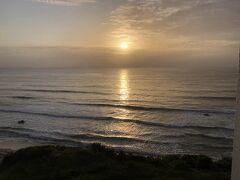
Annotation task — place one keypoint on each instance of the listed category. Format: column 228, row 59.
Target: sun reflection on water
column 124, row 86
column 124, row 93
column 120, row 128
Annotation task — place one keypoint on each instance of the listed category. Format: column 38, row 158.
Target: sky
column 155, row 31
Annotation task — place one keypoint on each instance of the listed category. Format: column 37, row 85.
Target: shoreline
column 8, row 149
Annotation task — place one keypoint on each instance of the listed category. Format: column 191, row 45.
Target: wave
column 72, row 138
column 56, row 91
column 210, row 137
column 109, row 138
column 104, row 93
column 140, row 122
column 35, row 135
column 79, row 139
column 39, row 135
column 204, row 90
column 145, row 108
column 22, row 97
column 214, row 147
column 213, row 97
column 137, row 140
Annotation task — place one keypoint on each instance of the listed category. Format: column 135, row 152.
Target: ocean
column 142, row 110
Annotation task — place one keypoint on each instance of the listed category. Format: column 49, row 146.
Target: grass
column 99, row 162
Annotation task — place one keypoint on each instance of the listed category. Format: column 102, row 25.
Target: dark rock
column 21, row 122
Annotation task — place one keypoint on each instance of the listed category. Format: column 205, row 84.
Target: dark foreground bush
column 99, row 162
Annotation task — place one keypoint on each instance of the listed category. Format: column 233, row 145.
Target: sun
column 123, row 45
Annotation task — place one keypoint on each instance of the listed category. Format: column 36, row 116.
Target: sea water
column 143, row 110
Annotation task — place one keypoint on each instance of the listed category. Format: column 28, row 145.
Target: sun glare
column 124, row 45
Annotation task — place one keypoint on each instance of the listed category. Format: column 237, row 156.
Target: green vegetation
column 98, row 162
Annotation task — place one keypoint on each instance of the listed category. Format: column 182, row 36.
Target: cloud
column 65, row 2
column 178, row 23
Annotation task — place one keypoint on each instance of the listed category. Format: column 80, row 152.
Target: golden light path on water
column 123, row 93
column 126, row 129
column 124, row 86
